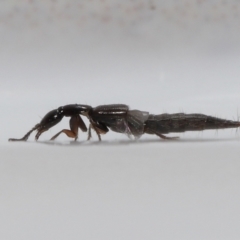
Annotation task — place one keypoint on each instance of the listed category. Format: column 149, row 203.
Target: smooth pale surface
column 148, row 190
column 157, row 56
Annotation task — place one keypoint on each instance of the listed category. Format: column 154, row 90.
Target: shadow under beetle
column 119, row 118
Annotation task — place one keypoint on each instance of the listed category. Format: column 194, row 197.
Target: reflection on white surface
column 156, row 56
column 157, row 190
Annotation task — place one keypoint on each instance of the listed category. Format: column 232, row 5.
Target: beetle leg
column 73, row 133
column 81, row 124
column 98, row 128
column 69, row 133
column 89, row 132
column 165, row 137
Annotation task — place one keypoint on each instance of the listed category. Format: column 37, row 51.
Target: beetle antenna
column 26, row 136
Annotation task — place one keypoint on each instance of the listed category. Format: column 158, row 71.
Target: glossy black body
column 119, row 118
column 181, row 122
column 111, row 116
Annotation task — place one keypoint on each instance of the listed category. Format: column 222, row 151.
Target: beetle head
column 49, row 120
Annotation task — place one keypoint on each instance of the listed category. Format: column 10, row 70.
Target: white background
column 156, row 56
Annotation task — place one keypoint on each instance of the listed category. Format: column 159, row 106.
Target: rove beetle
column 119, row 118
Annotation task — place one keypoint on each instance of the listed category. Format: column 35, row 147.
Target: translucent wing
column 132, row 124
column 135, row 122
